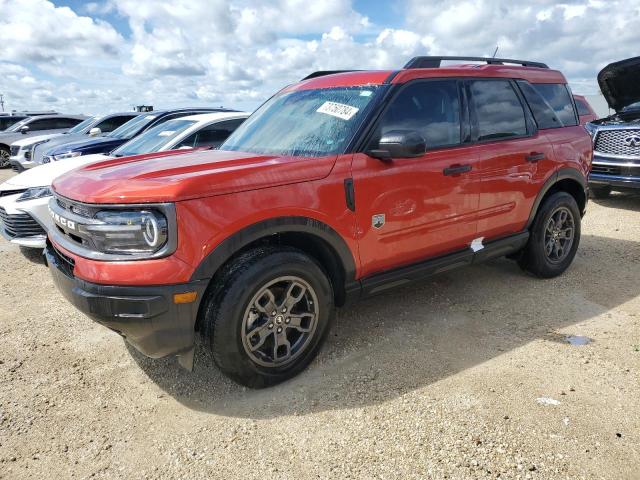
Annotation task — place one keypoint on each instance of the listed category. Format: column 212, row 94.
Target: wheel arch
column 569, row 180
column 315, row 238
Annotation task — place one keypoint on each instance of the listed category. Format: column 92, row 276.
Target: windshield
column 306, row 123
column 133, row 126
column 153, row 139
column 80, row 128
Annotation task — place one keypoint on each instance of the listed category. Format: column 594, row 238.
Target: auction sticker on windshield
column 340, row 110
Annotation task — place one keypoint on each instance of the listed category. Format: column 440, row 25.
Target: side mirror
column 24, row 129
column 94, row 132
column 399, row 144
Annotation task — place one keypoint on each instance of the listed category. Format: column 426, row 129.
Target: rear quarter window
column 550, row 103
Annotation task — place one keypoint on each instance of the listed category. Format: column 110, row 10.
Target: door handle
column 456, row 169
column 534, row 157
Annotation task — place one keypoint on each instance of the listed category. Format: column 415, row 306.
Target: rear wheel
column 555, row 236
column 267, row 319
column 599, row 192
column 4, row 157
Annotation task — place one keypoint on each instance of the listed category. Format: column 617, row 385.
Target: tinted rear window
column 498, row 110
column 560, row 99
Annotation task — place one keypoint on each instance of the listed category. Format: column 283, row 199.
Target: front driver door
column 410, row 209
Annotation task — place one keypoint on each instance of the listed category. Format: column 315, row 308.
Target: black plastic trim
column 349, row 193
column 562, row 174
column 380, row 282
column 145, row 315
column 273, row 226
column 436, row 61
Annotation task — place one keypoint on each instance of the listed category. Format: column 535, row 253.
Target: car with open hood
column 343, row 185
column 616, row 138
column 24, row 199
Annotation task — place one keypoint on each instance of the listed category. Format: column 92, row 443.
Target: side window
column 498, row 110
column 214, row 135
column 66, row 122
column 110, row 124
column 582, row 107
column 42, row 124
column 560, row 100
column 431, row 108
column 542, row 112
column 190, row 141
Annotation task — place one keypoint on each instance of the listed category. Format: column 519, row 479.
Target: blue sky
column 109, row 55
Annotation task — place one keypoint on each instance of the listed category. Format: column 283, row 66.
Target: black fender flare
column 273, row 226
column 558, row 175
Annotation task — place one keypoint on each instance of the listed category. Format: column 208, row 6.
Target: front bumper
column 616, row 172
column 146, row 317
column 20, row 164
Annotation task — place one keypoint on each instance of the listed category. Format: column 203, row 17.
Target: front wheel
column 555, row 235
column 266, row 320
column 4, row 157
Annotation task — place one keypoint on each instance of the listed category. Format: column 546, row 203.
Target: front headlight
column 128, row 231
column 62, row 156
column 591, row 129
column 33, row 193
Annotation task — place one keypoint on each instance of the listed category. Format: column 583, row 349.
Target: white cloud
column 239, row 52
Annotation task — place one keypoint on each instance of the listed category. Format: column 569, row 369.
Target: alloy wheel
column 559, row 235
column 280, row 321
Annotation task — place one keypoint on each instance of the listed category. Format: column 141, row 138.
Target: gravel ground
column 468, row 375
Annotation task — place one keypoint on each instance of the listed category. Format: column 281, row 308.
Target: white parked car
column 24, row 199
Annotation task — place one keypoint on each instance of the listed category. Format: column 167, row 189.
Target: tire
column 4, row 157
column 599, row 192
column 548, row 252
column 238, row 307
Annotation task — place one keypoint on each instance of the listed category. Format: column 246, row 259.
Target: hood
column 43, row 175
column 92, row 145
column 620, row 83
column 182, row 175
column 34, row 139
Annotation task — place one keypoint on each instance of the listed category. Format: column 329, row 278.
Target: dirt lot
column 456, row 377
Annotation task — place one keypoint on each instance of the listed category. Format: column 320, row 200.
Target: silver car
column 40, row 125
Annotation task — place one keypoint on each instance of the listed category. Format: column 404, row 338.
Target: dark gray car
column 39, row 125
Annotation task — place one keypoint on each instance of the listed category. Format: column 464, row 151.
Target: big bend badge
column 377, row 220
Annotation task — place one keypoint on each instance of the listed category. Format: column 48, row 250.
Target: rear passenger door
column 513, row 156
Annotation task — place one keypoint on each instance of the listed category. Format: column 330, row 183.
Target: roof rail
column 322, row 73
column 434, row 62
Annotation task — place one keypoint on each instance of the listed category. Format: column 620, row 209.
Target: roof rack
column 435, row 62
column 322, row 73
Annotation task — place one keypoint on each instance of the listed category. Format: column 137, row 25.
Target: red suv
column 341, row 186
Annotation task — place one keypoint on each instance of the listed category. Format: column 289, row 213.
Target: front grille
column 74, row 207
column 14, row 150
column 20, row 225
column 612, row 142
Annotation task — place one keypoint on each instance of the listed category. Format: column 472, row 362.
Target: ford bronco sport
column 338, row 187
